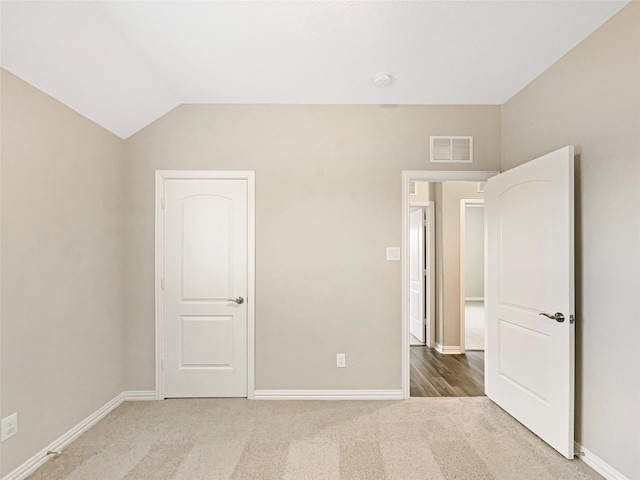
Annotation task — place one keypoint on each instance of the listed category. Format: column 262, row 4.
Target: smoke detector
column 382, row 80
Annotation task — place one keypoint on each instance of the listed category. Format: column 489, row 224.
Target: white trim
column 139, row 395
column 464, row 203
column 599, row 465
column 328, row 395
column 425, row 176
column 251, row 285
column 249, row 176
column 419, row 204
column 474, row 299
column 448, row 349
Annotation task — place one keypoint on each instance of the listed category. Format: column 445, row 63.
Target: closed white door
column 204, row 307
column 416, row 274
column 529, row 366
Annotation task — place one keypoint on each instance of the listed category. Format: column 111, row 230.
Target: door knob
column 238, row 300
column 558, row 317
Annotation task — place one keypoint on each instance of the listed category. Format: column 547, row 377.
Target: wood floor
column 437, row 375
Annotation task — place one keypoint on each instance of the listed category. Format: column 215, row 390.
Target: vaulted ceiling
column 123, row 64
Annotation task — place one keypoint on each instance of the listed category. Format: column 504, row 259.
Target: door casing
column 161, row 177
column 421, row 176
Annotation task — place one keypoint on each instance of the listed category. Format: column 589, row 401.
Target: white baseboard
column 474, row 299
column 599, row 465
column 448, row 350
column 139, row 395
column 328, row 395
column 31, row 465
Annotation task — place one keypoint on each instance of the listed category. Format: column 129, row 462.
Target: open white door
column 416, row 274
column 529, row 367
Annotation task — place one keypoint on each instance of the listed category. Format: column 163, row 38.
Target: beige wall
column 591, row 98
column 448, row 196
column 423, row 194
column 62, row 270
column 328, row 203
column 474, row 252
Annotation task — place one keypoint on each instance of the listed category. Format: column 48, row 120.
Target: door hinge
column 162, row 284
column 162, row 364
column 162, row 201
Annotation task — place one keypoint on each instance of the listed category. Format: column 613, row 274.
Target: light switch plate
column 9, row 426
column 393, row 253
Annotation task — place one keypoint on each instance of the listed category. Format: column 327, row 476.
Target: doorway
column 205, row 284
column 472, row 321
column 442, row 347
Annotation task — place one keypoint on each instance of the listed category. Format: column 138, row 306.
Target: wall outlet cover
column 341, row 360
column 9, row 426
column 393, row 253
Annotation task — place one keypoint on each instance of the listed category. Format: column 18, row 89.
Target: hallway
column 436, row 375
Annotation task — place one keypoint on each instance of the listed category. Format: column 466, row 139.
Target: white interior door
column 416, row 274
column 204, row 312
column 529, row 367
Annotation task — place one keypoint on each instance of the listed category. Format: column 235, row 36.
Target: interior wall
column 422, row 194
column 62, row 268
column 591, row 99
column 474, row 252
column 328, row 203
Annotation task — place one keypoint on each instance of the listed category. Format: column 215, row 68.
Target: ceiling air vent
column 452, row 149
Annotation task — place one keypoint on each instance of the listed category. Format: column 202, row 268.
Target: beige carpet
column 421, row 438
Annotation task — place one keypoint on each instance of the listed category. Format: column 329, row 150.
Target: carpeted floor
column 420, row 438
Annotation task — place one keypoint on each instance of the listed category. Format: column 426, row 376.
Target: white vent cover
column 452, row 149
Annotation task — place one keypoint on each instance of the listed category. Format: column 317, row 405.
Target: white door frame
column 249, row 176
column 464, row 203
column 421, row 176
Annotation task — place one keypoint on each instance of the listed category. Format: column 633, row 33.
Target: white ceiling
column 123, row 64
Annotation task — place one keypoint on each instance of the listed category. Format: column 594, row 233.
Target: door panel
column 530, row 358
column 205, row 265
column 206, row 341
column 416, row 274
column 207, row 254
column 523, row 240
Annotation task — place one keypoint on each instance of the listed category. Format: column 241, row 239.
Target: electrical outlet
column 341, row 360
column 9, row 426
